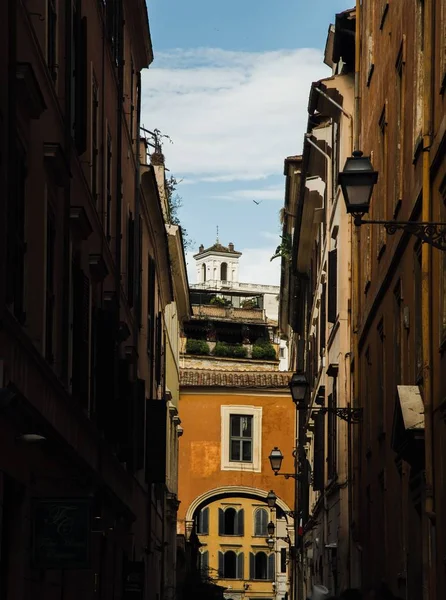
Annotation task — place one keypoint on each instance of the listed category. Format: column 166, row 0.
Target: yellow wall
column 246, row 544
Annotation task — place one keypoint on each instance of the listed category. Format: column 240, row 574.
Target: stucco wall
column 200, row 446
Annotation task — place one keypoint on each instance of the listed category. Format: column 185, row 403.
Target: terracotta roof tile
column 242, row 379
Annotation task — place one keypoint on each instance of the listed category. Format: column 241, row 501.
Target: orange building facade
column 223, row 499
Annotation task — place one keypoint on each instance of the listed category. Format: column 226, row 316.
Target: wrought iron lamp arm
column 351, row 415
column 430, row 233
column 288, row 475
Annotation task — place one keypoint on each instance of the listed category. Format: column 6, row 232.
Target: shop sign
column 61, row 533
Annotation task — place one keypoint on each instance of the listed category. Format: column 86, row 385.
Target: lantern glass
column 270, row 542
column 276, row 458
column 298, row 387
column 271, row 499
column 271, row 528
column 357, row 181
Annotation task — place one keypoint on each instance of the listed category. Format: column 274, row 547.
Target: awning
column 408, row 425
column 412, row 407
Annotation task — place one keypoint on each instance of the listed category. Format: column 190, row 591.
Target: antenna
column 217, row 235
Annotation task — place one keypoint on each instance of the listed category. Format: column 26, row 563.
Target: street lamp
column 276, row 458
column 298, row 387
column 270, row 528
column 271, row 499
column 270, row 541
column 357, row 181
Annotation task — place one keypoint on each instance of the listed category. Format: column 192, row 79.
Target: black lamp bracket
column 433, row 234
column 351, row 415
column 288, row 475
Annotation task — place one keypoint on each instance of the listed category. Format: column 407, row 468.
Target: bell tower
column 217, row 265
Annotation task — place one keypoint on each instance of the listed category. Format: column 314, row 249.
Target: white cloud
column 255, row 266
column 275, row 192
column 231, row 115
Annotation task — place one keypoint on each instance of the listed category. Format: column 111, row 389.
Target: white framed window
column 241, row 438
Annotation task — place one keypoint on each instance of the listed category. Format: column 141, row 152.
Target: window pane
column 235, row 450
column 246, row 426
column 247, row 454
column 235, row 426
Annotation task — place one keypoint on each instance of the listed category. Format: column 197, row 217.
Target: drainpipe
column 11, row 166
column 344, row 112
column 137, row 252
column 426, row 296
column 118, row 184
column 354, row 311
column 66, row 286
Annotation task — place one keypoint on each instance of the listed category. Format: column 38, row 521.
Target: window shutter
column 130, row 258
column 105, row 404
column 140, row 423
column 263, row 521
column 332, row 286
column 204, row 564
column 240, row 525
column 323, row 319
column 150, row 305
column 257, row 522
column 81, row 334
column 81, row 75
column 123, row 419
column 139, row 274
column 205, row 523
column 319, row 447
column 272, row 566
column 240, row 565
column 158, row 348
column 221, row 522
column 221, row 565
column 252, row 566
column 156, row 425
column 283, row 560
column 331, row 424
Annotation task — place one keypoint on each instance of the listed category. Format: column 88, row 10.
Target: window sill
column 248, row 467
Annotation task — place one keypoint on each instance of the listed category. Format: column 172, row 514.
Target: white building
column 217, row 269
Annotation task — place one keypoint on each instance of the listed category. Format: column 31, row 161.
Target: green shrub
column 230, row 350
column 219, row 301
column 239, row 351
column 197, row 347
column 263, row 350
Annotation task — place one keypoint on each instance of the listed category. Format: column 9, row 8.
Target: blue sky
column 229, row 85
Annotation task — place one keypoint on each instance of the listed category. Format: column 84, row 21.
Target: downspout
column 66, row 300
column 11, row 166
column 426, row 296
column 137, row 252
column 118, row 184
column 344, row 112
column 329, row 187
column 354, row 316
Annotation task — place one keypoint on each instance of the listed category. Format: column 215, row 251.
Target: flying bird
column 259, row 202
